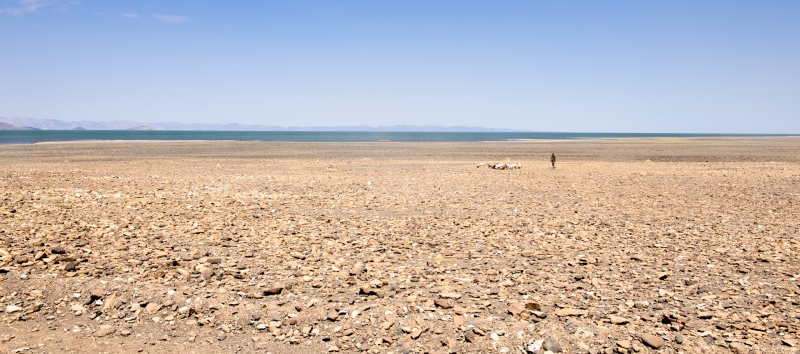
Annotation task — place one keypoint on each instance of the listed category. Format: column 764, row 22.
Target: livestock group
column 502, row 166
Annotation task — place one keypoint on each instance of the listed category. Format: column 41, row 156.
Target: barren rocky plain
column 630, row 245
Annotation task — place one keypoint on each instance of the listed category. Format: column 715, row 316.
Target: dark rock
column 551, row 345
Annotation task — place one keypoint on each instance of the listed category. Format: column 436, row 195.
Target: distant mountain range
column 21, row 123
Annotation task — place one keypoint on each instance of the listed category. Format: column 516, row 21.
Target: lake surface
column 37, row 136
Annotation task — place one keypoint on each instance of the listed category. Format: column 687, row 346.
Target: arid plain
column 628, row 245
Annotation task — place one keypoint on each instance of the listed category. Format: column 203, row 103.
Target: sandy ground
column 628, row 245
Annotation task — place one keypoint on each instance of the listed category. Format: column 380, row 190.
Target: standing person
column 553, row 160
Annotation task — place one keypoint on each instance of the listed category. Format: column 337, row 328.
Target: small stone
column 366, row 290
column 705, row 315
column 679, row 338
column 332, row 316
column 469, row 336
column 570, row 312
column 12, row 309
column 152, row 308
column 97, row 293
column 214, row 260
column 256, row 316
column 652, row 341
column 274, row 290
column 536, row 346
column 738, row 348
column 70, row 266
column 571, row 327
column 206, row 272
column 416, row 333
column 77, row 308
column 533, row 306
column 450, row 295
column 551, row 345
column 617, row 320
column 494, row 336
column 516, row 309
column 58, row 250
column 789, row 342
column 104, row 331
column 625, row 344
column 445, row 304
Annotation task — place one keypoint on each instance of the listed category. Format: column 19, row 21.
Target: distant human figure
column 553, row 160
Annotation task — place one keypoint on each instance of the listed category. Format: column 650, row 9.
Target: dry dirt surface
column 653, row 245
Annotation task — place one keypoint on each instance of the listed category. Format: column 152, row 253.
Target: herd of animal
column 501, row 166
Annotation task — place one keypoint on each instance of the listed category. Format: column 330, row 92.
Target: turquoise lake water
column 35, row 136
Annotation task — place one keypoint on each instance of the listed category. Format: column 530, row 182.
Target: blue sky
column 597, row 66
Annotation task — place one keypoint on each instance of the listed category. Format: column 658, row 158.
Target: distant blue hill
column 53, row 124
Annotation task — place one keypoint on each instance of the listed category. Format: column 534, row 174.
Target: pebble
column 570, row 312
column 469, row 336
column 445, row 304
column 652, row 341
column 104, row 331
column 617, row 320
column 551, row 345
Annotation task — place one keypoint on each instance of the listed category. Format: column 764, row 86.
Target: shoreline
column 36, row 137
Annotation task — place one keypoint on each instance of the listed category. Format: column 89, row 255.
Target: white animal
column 502, row 166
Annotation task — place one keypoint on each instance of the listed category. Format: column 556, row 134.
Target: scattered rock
column 516, row 309
column 104, row 331
column 274, row 290
column 445, row 304
column 652, row 341
column 570, row 312
column 274, row 250
column 618, row 320
column 550, row 344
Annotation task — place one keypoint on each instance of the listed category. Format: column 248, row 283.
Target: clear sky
column 591, row 66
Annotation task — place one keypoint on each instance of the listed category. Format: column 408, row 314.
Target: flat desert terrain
column 628, row 245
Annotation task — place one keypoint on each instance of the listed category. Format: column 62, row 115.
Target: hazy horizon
column 676, row 67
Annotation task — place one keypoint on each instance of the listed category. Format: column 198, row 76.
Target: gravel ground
column 628, row 245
